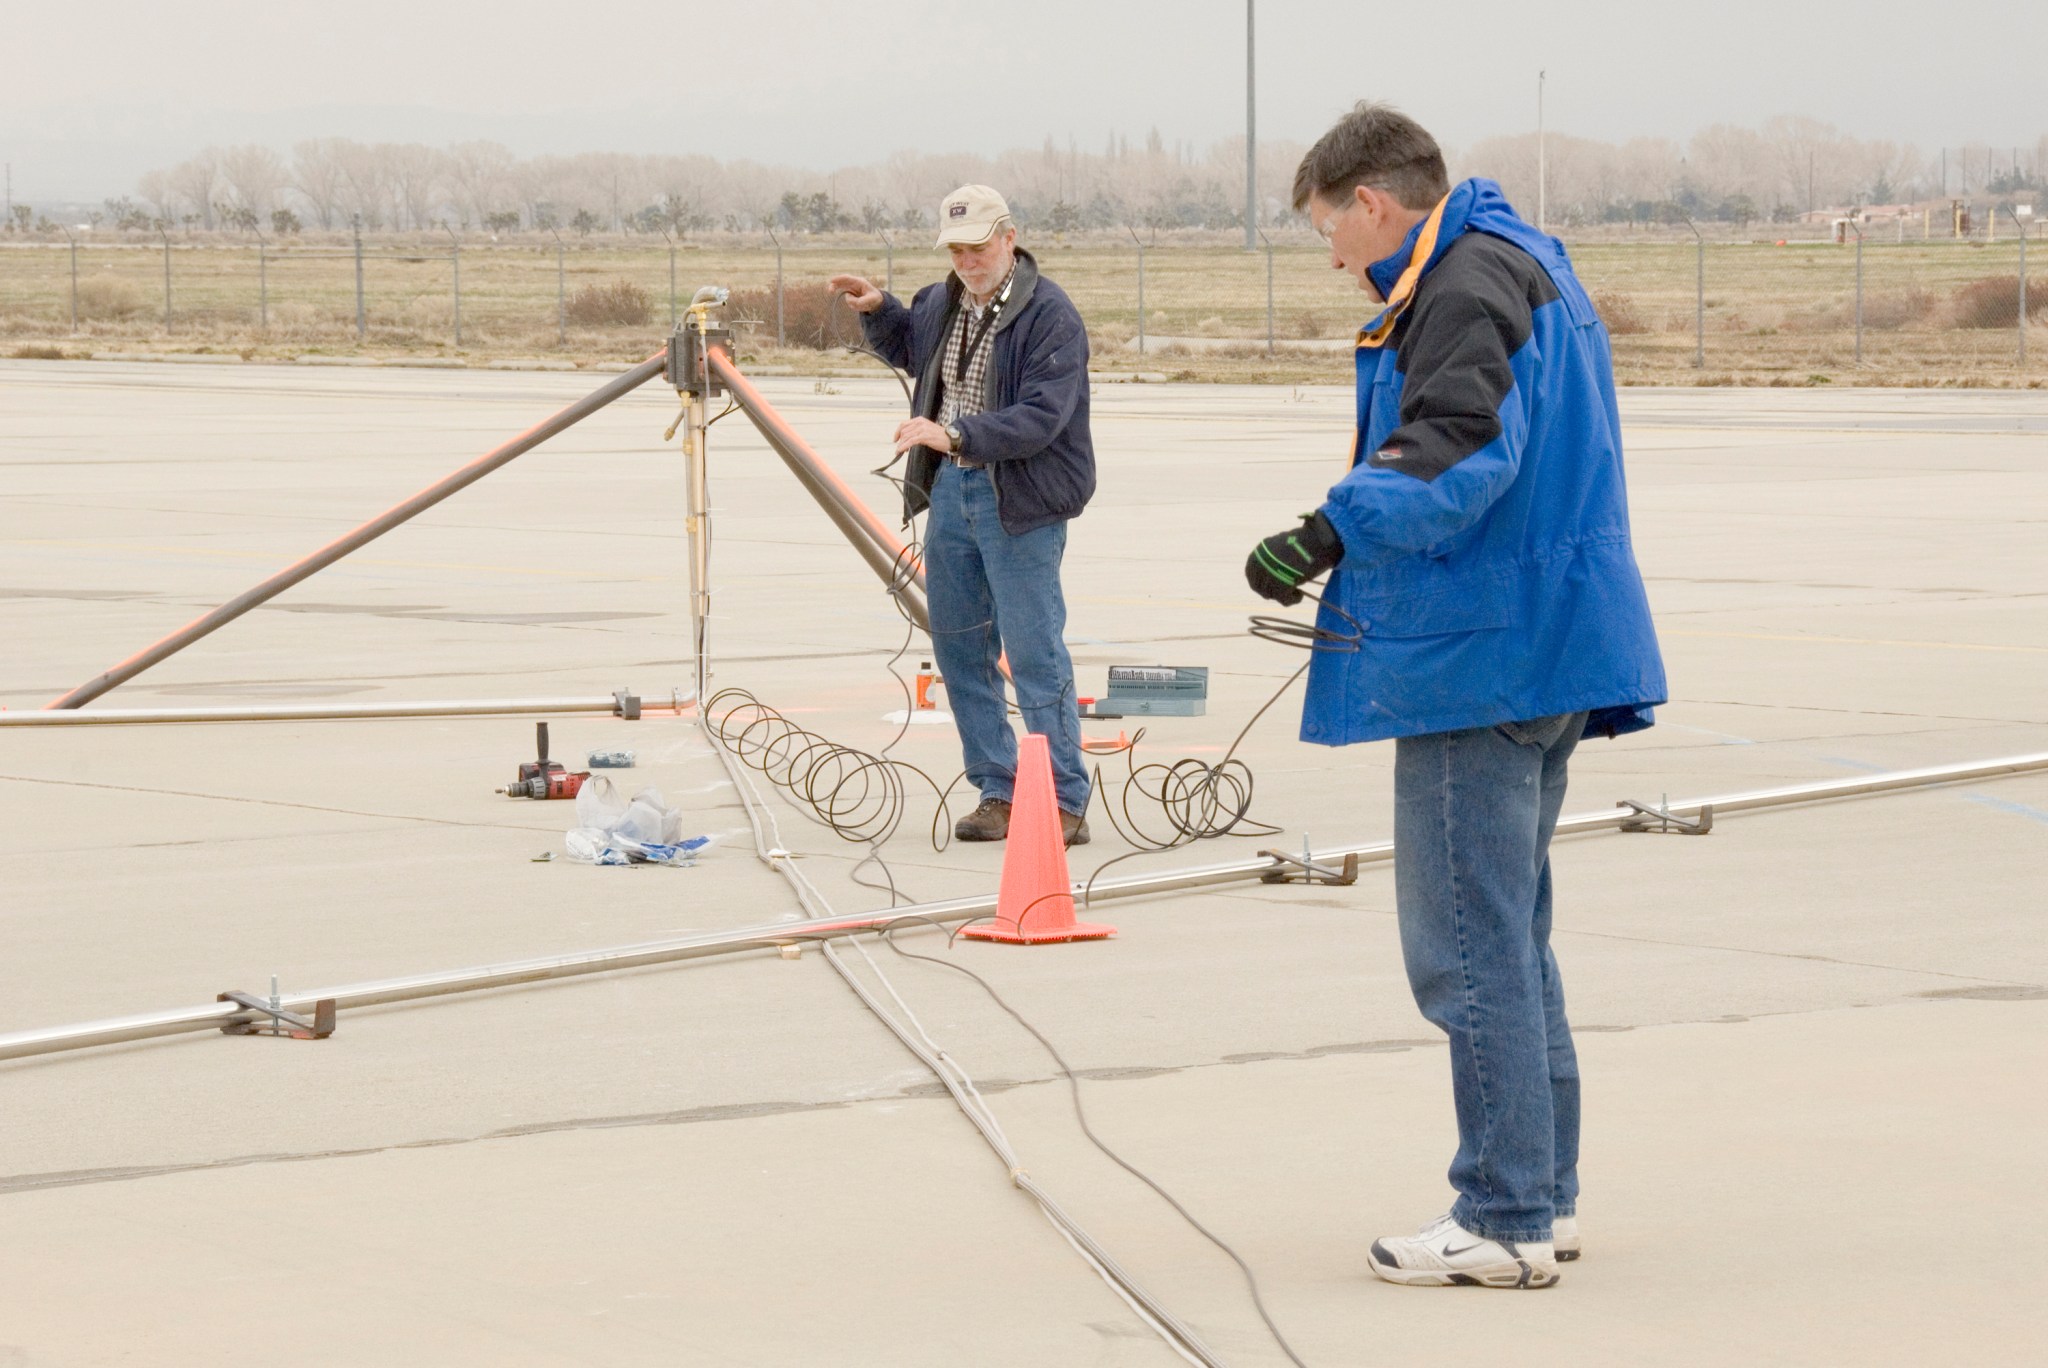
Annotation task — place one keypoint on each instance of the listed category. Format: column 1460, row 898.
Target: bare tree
column 316, row 176
column 251, row 178
column 192, row 184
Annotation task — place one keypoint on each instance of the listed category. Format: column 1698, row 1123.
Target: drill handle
column 540, row 739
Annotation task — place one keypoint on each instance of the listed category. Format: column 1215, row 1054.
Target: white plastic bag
column 598, row 805
column 611, row 831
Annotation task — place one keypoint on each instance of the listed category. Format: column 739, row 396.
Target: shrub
column 616, row 303
column 812, row 315
column 1308, row 324
column 1618, row 311
column 110, row 297
column 39, row 351
column 1994, row 302
column 1887, row 310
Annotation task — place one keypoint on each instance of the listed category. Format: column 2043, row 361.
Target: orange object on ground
column 1036, row 901
column 1102, row 745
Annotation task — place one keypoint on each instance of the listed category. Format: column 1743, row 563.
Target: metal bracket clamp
column 279, row 1022
column 1303, row 869
column 1663, row 821
column 627, row 704
column 687, row 371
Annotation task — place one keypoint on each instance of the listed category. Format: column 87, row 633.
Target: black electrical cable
column 1204, row 801
column 1080, row 1114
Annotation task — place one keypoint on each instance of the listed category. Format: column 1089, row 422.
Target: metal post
column 671, row 278
column 74, row 276
column 561, row 295
column 1542, row 186
column 1269, row 290
column 1141, row 286
column 455, row 260
column 167, row 275
column 1859, row 289
column 362, row 317
column 262, row 280
column 1699, row 359
column 778, row 286
column 368, row 532
column 889, row 262
column 697, row 493
column 2020, row 224
column 1251, row 131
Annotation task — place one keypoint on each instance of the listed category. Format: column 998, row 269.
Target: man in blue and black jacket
column 1479, row 551
column 999, row 450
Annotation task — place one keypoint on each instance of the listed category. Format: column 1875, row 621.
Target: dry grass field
column 1777, row 315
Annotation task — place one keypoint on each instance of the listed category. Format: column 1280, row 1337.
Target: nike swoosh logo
column 1450, row 1253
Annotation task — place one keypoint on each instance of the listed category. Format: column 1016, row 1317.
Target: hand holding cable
column 1279, row 565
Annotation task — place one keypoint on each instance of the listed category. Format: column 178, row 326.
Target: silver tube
column 50, row 1040
column 320, row 712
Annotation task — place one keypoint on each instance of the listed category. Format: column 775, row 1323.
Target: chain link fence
column 1682, row 309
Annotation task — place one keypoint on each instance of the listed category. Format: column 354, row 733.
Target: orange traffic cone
column 1036, row 902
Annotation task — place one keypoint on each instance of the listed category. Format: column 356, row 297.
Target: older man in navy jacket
column 1481, row 555
column 1000, row 453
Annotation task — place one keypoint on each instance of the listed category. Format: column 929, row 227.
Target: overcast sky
column 94, row 94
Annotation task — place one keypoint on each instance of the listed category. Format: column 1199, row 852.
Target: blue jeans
column 991, row 593
column 1473, row 815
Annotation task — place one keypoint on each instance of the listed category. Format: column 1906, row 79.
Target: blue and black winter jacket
column 1033, row 432
column 1484, row 517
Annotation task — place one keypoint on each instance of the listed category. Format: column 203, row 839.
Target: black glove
column 1286, row 559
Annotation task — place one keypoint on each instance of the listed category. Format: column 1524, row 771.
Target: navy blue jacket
column 1033, row 430
column 1484, row 518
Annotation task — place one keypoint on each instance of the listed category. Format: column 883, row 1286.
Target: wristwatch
column 955, row 438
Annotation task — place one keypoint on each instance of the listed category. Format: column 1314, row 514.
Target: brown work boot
column 1073, row 828
column 989, row 822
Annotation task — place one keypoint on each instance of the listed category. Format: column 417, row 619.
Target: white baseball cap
column 969, row 215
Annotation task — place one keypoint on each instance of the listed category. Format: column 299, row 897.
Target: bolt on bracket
column 277, row 1021
column 1302, row 869
column 1662, row 820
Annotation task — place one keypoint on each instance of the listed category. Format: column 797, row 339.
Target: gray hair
column 1374, row 145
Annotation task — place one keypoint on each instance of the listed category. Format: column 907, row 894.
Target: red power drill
column 544, row 778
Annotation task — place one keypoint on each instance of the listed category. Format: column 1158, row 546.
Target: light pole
column 1542, row 186
column 889, row 261
column 1251, row 131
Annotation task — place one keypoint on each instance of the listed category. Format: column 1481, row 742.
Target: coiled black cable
column 858, row 795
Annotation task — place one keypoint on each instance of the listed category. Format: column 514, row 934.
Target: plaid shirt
column 966, row 391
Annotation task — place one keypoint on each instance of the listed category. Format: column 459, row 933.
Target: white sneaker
column 1445, row 1254
column 1564, row 1238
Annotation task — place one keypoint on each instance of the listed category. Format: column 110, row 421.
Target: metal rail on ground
column 1630, row 816
column 617, row 705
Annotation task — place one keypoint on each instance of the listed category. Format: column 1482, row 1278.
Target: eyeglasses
column 1327, row 229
